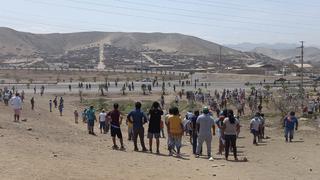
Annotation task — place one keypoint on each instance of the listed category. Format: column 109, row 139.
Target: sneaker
column 144, row 149
column 122, row 148
column 197, row 156
column 136, row 149
column 115, row 147
column 210, row 158
column 158, row 152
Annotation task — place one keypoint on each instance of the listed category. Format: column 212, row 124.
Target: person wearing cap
column 255, row 125
column 206, row 126
column 102, row 121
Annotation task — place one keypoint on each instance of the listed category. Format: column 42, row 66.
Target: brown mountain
column 21, row 44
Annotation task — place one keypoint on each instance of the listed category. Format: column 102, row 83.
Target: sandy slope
column 31, row 154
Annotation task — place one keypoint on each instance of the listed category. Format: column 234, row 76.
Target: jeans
column 194, row 142
column 230, row 140
column 288, row 133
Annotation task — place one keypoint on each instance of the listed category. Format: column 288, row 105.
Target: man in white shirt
column 102, row 120
column 255, row 124
column 16, row 104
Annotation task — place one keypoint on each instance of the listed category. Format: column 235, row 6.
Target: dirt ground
column 47, row 146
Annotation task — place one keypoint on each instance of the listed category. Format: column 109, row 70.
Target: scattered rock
column 29, row 129
column 293, row 157
column 317, row 144
column 55, row 155
column 222, row 165
column 215, row 165
column 310, row 169
column 24, row 120
column 214, row 175
column 197, row 169
column 1, row 135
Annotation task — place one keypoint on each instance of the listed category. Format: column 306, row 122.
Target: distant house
column 305, row 66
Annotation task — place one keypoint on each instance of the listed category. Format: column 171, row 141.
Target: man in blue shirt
column 138, row 119
column 289, row 123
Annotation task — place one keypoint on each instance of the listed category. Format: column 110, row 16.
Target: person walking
column 76, row 116
column 255, row 125
column 219, row 124
column 138, row 119
column 116, row 121
column 290, row 123
column 60, row 108
column 50, row 105
column 206, row 128
column 32, row 103
column 194, row 129
column 55, row 102
column 16, row 105
column 175, row 133
column 230, row 128
column 155, row 114
column 91, row 117
column 102, row 121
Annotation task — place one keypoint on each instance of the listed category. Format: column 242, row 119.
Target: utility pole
column 220, row 63
column 301, row 70
column 141, row 66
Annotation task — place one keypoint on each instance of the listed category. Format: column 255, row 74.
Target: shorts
column 90, row 122
column 17, row 112
column 116, row 132
column 102, row 125
column 153, row 135
column 255, row 132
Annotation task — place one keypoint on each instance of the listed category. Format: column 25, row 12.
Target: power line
column 221, row 5
column 158, row 19
column 205, row 12
column 183, row 15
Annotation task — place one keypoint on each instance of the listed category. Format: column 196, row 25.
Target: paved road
column 63, row 87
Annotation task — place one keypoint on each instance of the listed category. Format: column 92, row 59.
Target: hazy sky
column 220, row 21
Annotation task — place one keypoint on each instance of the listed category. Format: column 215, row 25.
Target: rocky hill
column 61, row 47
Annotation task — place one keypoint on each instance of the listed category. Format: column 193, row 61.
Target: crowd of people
column 213, row 119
